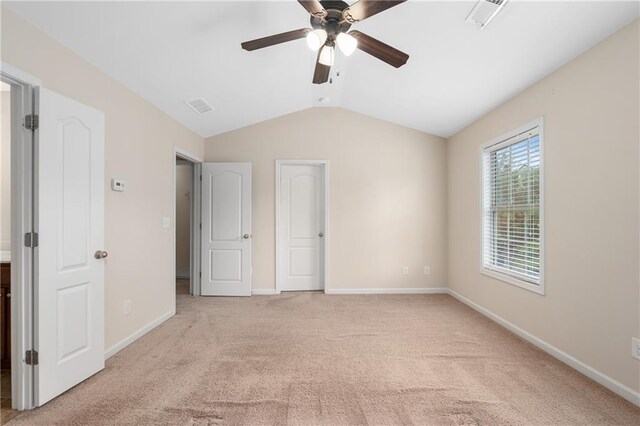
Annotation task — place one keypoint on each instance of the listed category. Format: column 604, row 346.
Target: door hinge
column 200, row 226
column 200, row 274
column 200, row 178
column 31, row 121
column 31, row 239
column 31, row 357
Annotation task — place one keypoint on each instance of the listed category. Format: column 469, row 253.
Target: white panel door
column 302, row 227
column 69, row 285
column 226, row 229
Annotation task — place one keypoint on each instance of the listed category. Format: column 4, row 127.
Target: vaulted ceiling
column 171, row 52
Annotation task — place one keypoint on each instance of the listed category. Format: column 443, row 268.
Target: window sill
column 539, row 289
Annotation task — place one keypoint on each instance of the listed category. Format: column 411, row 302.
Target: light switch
column 166, row 222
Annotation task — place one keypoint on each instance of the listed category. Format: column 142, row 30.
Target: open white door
column 226, row 229
column 69, row 285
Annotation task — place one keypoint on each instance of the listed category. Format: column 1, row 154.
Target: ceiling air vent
column 484, row 11
column 199, row 106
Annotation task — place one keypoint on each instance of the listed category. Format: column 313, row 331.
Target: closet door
column 301, row 228
column 226, row 229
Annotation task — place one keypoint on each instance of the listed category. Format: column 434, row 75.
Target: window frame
column 510, row 138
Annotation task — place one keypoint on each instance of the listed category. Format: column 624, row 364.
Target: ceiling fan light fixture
column 326, row 56
column 316, row 38
column 347, row 43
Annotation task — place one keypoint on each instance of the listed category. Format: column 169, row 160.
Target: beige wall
column 184, row 174
column 386, row 195
column 140, row 143
column 5, row 171
column 591, row 307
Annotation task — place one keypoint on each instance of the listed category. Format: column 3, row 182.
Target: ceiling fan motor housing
column 332, row 23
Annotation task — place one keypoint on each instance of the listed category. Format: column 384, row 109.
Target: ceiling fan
column 331, row 21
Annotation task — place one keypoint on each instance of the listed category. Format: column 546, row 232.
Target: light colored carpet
column 308, row 358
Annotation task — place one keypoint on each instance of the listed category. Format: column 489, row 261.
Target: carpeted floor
column 308, row 358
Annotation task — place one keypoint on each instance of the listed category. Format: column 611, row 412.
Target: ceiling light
column 326, row 56
column 316, row 38
column 347, row 43
column 484, row 11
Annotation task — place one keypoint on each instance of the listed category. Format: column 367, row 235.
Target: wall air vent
column 199, row 106
column 484, row 11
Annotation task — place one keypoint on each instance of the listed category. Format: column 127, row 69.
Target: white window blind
column 511, row 206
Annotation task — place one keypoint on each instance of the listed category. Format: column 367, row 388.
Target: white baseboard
column 419, row 290
column 263, row 291
column 135, row 336
column 606, row 381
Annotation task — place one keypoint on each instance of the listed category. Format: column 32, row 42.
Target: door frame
column 195, row 201
column 23, row 270
column 324, row 164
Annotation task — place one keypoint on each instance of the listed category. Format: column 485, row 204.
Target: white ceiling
column 170, row 52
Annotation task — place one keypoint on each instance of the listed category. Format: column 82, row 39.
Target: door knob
column 321, row 235
column 245, row 236
column 100, row 254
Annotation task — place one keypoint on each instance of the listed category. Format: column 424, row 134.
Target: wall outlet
column 405, row 270
column 127, row 307
column 117, row 185
column 635, row 348
column 427, row 270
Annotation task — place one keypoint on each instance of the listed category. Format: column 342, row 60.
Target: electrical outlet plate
column 117, row 185
column 427, row 270
column 635, row 348
column 127, row 307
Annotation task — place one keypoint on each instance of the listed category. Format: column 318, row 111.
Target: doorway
column 301, row 225
column 5, row 253
column 184, row 194
column 186, row 223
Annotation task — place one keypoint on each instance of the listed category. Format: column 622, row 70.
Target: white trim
column 24, row 100
column 17, row 74
column 135, row 336
column 186, row 155
column 419, row 290
column 196, row 218
column 325, row 171
column 195, row 231
column 599, row 377
column 503, row 140
column 263, row 292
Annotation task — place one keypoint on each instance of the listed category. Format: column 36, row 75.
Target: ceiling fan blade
column 313, row 7
column 321, row 74
column 259, row 43
column 363, row 9
column 382, row 51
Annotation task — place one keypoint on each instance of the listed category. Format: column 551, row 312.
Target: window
column 512, row 198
